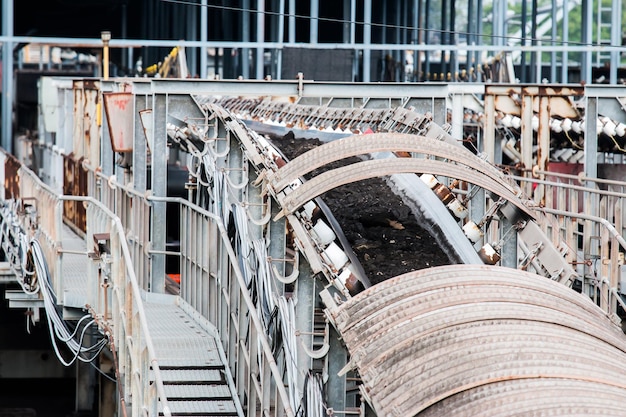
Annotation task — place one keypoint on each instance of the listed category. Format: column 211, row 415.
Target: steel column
column 367, row 38
column 616, row 38
column 490, row 128
column 565, row 39
column 7, row 76
column 260, row 37
column 204, row 38
column 245, row 31
column 314, row 22
column 158, row 219
column 587, row 27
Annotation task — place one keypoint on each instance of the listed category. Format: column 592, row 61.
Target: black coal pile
column 383, row 232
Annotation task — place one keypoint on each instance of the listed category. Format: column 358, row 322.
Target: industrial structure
column 181, row 265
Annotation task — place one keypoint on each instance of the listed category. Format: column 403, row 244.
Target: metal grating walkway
column 195, row 378
column 188, row 352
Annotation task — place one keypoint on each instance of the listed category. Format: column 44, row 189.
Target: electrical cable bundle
column 59, row 328
column 29, row 264
column 287, row 314
column 14, row 243
column 313, row 397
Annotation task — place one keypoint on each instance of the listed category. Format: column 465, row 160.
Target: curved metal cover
column 469, row 340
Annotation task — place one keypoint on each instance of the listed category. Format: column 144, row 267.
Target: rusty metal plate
column 467, row 340
column 11, row 178
column 120, row 118
column 75, row 183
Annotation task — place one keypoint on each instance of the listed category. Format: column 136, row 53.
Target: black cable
column 381, row 25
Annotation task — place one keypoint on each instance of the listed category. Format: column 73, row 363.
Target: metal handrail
column 136, row 293
column 267, row 350
column 604, row 223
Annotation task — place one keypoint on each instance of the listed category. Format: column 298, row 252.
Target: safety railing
column 585, row 216
column 126, row 326
column 134, row 212
column 213, row 284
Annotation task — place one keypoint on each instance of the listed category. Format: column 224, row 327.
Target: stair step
column 197, row 392
column 190, row 376
column 202, row 408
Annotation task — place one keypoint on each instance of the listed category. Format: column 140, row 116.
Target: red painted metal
column 119, row 113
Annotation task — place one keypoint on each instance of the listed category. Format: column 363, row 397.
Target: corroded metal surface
column 75, row 183
column 481, row 340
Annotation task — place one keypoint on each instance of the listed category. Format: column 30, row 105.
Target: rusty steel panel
column 75, row 183
column 78, row 145
column 118, row 108
column 92, row 121
column 465, row 340
column 86, row 129
column 11, row 178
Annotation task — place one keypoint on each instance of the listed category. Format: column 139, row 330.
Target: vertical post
column 526, row 143
column 260, row 38
column 125, row 62
column 159, row 189
column 106, row 37
column 591, row 203
column 281, row 37
column 292, row 21
column 565, row 38
column 245, row 31
column 457, row 115
column 7, row 76
column 479, row 29
column 533, row 40
column 587, row 27
column 313, row 28
column 355, row 60
column 616, row 37
column 591, row 139
column 417, row 40
column 204, row 27
column 490, row 127
column 367, row 39
column 523, row 29
column 543, row 142
column 553, row 43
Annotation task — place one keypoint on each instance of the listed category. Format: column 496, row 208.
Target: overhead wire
column 385, row 25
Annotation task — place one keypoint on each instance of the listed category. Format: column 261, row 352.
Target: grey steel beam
column 204, row 27
column 616, row 37
column 565, row 39
column 245, row 29
column 260, row 38
column 367, row 39
column 292, row 21
column 141, row 43
column 314, row 22
column 587, row 28
column 159, row 189
column 304, row 89
column 7, row 76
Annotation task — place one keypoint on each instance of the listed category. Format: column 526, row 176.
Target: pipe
column 106, row 37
